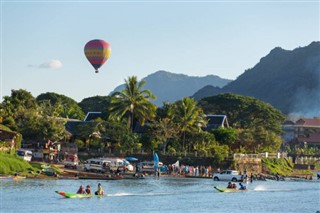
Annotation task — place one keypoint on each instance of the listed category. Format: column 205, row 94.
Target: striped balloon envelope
column 97, row 52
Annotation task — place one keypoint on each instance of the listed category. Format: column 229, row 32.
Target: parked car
column 227, row 175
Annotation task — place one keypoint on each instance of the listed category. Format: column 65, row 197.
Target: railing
column 306, row 160
column 239, row 156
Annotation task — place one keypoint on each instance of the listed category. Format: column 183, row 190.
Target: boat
column 192, row 176
column 74, row 195
column 221, row 189
column 101, row 177
column 18, row 177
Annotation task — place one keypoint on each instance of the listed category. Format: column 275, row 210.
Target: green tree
column 257, row 140
column 11, row 107
column 225, row 136
column 119, row 136
column 132, row 102
column 244, row 112
column 96, row 104
column 65, row 106
column 163, row 130
column 203, row 142
column 189, row 116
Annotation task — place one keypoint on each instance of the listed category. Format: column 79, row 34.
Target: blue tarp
column 131, row 159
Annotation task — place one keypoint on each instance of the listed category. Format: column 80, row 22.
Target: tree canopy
column 244, row 112
column 67, row 107
column 133, row 102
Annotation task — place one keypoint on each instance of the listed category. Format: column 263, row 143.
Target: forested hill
column 288, row 80
column 170, row 87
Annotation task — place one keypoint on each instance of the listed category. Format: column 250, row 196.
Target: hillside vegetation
column 283, row 166
column 11, row 164
column 288, row 80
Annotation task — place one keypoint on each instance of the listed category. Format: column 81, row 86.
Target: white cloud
column 53, row 64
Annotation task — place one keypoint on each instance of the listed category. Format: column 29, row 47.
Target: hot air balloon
column 97, row 52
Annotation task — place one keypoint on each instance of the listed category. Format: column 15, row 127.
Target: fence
column 306, row 160
column 239, row 156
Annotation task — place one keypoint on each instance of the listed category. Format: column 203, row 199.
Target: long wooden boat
column 101, row 178
column 192, row 176
column 220, row 189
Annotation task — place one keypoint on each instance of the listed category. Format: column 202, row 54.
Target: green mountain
column 170, row 87
column 288, row 80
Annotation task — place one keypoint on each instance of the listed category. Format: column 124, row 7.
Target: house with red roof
column 307, row 131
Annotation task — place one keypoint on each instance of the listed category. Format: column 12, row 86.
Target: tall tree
column 163, row 130
column 132, row 102
column 189, row 116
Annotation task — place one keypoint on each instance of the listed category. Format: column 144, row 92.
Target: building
column 217, row 121
column 7, row 139
column 305, row 131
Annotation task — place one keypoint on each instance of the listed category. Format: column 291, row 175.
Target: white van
column 25, row 154
column 119, row 163
column 97, row 165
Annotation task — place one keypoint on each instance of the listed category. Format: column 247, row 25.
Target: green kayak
column 220, row 189
column 74, row 195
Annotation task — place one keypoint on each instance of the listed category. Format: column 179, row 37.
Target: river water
column 166, row 194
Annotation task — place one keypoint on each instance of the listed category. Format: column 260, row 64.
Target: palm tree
column 189, row 117
column 132, row 102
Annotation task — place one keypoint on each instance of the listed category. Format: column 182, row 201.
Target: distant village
column 304, row 131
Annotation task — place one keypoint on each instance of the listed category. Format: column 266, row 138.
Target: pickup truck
column 227, row 175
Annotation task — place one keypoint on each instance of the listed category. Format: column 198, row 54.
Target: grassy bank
column 282, row 166
column 11, row 164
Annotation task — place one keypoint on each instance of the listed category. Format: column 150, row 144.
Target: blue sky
column 42, row 41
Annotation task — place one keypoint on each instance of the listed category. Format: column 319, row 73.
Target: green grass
column 11, row 164
column 283, row 167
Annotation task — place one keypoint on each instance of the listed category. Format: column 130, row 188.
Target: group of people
column 234, row 186
column 87, row 190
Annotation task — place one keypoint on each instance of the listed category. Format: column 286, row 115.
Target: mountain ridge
column 170, row 87
column 287, row 79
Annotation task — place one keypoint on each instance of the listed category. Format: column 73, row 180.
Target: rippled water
column 160, row 195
